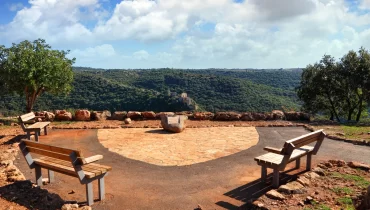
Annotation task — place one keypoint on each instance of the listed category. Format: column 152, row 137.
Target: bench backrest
column 316, row 136
column 24, row 118
column 29, row 147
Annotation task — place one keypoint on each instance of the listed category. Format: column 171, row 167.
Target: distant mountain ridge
column 210, row 89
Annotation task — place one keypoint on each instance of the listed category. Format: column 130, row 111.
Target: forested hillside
column 212, row 90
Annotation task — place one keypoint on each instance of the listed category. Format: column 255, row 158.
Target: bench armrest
column 273, row 150
column 92, row 159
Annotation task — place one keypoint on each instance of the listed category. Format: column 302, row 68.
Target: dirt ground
column 229, row 182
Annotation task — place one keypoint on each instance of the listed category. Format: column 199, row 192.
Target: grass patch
column 354, row 132
column 317, row 206
column 359, row 181
column 340, row 190
column 346, row 203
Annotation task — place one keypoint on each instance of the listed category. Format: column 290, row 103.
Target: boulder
column 49, row 116
column 273, row 194
column 82, row 115
column 134, row 115
column 277, row 115
column 100, row 115
column 63, row 115
column 128, row 121
column 354, row 164
column 247, row 116
column 227, row 116
column 175, row 124
column 148, row 115
column 304, row 181
column 297, row 116
column 119, row 115
column 158, row 115
column 292, row 188
column 258, row 116
column 203, row 115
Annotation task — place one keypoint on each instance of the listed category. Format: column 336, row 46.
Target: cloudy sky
column 190, row 33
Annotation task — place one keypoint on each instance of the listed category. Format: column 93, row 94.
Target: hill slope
column 212, row 90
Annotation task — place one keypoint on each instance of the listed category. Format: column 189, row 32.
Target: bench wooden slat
column 27, row 117
column 38, row 125
column 56, row 149
column 49, row 154
column 93, row 168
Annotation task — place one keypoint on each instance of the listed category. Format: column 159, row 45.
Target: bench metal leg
column 38, row 175
column 28, row 135
column 89, row 194
column 101, row 188
column 51, row 176
column 309, row 158
column 275, row 182
column 298, row 163
column 46, row 130
column 263, row 173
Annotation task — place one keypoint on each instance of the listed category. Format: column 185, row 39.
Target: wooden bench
column 33, row 126
column 66, row 161
column 293, row 150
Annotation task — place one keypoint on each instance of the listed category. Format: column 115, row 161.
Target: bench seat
column 91, row 170
column 37, row 125
column 274, row 159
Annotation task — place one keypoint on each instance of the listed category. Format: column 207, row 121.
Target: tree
column 340, row 88
column 32, row 68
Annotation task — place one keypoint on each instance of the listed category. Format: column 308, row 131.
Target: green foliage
column 211, row 90
column 339, row 89
column 31, row 68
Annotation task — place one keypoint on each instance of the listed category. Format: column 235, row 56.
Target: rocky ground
column 331, row 185
column 334, row 184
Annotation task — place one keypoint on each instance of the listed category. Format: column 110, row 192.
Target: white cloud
column 141, row 55
column 16, row 6
column 209, row 33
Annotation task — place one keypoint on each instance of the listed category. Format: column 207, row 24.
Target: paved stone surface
column 193, row 145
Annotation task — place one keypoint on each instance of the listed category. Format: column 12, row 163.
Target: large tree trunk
column 333, row 110
column 31, row 98
column 359, row 110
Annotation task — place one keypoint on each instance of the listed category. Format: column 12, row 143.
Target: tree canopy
column 31, row 68
column 337, row 88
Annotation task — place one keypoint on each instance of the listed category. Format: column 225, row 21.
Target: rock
column 199, row 207
column 311, row 175
column 6, row 163
column 273, row 194
column 63, row 115
column 14, row 124
column 339, row 134
column 297, row 116
column 258, row 116
column 319, row 171
column 85, row 208
column 134, row 115
column 258, row 204
column 301, row 203
column 203, row 115
column 227, row 116
column 292, row 188
column 49, row 116
column 119, row 115
column 71, row 192
column 100, row 115
column 149, row 115
column 277, row 115
column 127, row 121
column 354, row 164
column 339, row 163
column 69, row 206
column 174, row 124
column 328, row 164
column 18, row 178
column 158, row 115
column 309, row 199
column 304, row 181
column 247, row 116
column 82, row 115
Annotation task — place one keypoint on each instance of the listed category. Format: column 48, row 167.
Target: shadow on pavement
column 255, row 189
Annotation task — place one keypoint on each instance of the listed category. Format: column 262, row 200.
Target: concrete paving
column 223, row 183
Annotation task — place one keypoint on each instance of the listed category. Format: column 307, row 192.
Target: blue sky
column 192, row 33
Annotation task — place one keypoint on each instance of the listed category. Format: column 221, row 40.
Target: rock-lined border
column 86, row 115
